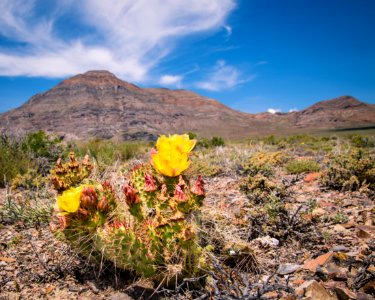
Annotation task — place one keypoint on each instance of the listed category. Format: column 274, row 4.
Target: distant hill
column 98, row 104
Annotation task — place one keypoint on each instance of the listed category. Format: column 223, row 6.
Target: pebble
column 288, row 268
column 340, row 248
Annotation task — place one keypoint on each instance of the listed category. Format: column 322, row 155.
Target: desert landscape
column 188, row 150
column 283, row 217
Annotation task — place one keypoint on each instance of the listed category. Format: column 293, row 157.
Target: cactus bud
column 83, row 213
column 149, row 183
column 198, row 188
column 89, row 198
column 103, row 205
column 63, row 221
column 130, row 194
column 179, row 193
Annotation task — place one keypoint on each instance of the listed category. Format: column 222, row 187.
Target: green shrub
column 13, row 160
column 107, row 152
column 350, row 171
column 263, row 163
column 360, row 141
column 259, row 188
column 301, row 166
column 215, row 141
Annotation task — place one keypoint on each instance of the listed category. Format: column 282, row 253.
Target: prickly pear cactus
column 149, row 227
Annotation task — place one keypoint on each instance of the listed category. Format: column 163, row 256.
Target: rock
column 342, row 292
column 323, row 203
column 7, row 259
column 267, row 241
column 313, row 290
column 349, row 225
column 319, row 261
column 363, row 296
column 340, row 228
column 340, row 248
column 311, row 177
column 365, row 232
column 285, row 269
column 120, row 296
column 318, row 212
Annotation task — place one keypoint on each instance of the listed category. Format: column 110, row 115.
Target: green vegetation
column 301, row 166
column 105, row 152
column 350, row 171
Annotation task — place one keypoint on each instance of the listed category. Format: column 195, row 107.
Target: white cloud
column 228, row 30
column 171, row 80
column 126, row 37
column 222, row 77
column 293, row 110
column 273, row 110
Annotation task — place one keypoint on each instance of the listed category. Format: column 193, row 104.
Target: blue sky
column 252, row 55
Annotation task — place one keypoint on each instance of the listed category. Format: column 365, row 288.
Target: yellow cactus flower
column 70, row 199
column 172, row 155
column 180, row 143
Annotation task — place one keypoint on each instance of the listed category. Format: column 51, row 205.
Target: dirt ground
column 330, row 256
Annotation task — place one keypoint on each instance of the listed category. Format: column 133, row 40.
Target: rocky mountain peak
column 97, row 79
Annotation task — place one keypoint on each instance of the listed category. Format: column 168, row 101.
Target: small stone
column 339, row 228
column 314, row 291
column 311, row 177
column 285, row 269
column 340, row 248
column 7, row 259
column 323, row 203
column 270, row 295
column 365, row 232
column 319, row 261
column 267, row 241
column 120, row 296
column 318, row 212
column 349, row 225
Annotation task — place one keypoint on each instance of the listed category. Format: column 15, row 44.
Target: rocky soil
column 331, row 257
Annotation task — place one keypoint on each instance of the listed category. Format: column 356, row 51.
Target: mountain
column 98, row 104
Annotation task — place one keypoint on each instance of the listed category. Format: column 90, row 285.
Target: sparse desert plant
column 264, row 163
column 13, row 160
column 106, row 152
column 350, row 171
column 303, row 165
column 258, row 188
column 215, row 141
column 151, row 228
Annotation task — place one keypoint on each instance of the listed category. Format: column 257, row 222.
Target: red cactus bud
column 153, row 151
column 130, row 194
column 89, row 198
column 198, row 188
column 53, row 226
column 118, row 224
column 63, row 221
column 83, row 213
column 163, row 194
column 149, row 183
column 103, row 205
column 179, row 193
column 107, row 186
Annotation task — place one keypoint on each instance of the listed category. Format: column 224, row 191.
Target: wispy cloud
column 222, row 77
column 273, row 110
column 126, row 37
column 174, row 80
column 293, row 110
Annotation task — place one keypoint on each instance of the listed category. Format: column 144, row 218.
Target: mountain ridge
column 98, row 104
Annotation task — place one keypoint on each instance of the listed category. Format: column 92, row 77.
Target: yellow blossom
column 69, row 200
column 172, row 156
